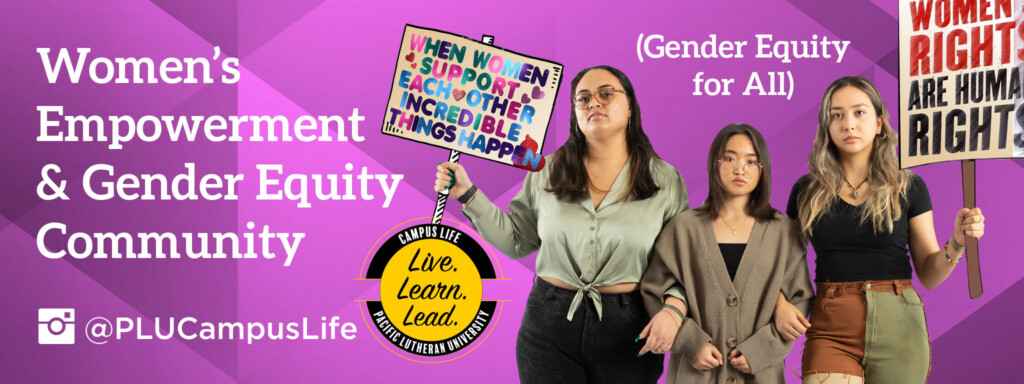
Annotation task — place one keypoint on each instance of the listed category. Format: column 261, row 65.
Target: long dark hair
column 569, row 177
column 759, row 207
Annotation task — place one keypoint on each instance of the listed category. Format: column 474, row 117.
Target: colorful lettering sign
column 453, row 92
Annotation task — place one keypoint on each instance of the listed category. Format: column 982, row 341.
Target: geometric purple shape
column 214, row 21
column 986, row 346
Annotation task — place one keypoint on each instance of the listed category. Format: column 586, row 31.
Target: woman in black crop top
column 861, row 213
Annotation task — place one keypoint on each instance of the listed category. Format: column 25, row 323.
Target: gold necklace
column 590, row 180
column 594, row 187
column 734, row 231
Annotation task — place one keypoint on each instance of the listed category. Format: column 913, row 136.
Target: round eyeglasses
column 604, row 96
column 732, row 163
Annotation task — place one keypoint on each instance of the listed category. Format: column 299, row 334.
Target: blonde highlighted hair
column 889, row 184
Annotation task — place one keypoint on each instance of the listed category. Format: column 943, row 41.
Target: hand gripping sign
column 960, row 90
column 470, row 97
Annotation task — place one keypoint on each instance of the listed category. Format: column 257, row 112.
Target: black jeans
column 551, row 349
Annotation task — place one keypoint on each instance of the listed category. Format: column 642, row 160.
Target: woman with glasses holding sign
column 733, row 256
column 861, row 213
column 593, row 213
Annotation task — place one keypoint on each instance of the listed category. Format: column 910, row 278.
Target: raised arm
column 513, row 233
column 932, row 262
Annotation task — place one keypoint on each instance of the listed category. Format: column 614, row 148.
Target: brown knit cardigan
column 728, row 314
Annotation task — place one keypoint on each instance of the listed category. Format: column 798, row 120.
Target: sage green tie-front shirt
column 578, row 244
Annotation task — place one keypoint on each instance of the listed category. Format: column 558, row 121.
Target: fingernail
column 637, row 339
column 639, row 354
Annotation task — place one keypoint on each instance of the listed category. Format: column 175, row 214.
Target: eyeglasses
column 731, row 163
column 604, row 96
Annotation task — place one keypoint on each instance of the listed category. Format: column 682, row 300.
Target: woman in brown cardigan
column 732, row 256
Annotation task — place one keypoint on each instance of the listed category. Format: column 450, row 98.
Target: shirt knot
column 589, row 290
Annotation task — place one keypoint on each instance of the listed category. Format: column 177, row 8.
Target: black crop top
column 849, row 251
column 732, row 253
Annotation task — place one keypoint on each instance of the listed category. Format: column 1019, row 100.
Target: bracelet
column 464, row 199
column 674, row 309
column 946, row 252
column 956, row 244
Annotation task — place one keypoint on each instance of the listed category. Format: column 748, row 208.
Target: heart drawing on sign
column 459, row 94
column 413, row 65
column 525, row 99
column 537, row 93
column 411, row 56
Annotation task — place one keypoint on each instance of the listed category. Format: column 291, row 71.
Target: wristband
column 674, row 309
column 464, row 199
column 956, row 244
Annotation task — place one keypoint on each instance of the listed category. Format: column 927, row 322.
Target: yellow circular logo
column 431, row 289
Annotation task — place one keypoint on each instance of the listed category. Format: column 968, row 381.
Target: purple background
column 327, row 57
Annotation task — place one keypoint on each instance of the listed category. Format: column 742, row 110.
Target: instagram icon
column 56, row 326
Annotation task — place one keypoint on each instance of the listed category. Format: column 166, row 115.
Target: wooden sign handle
column 453, row 157
column 971, row 252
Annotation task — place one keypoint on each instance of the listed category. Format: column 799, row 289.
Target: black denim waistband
column 547, row 288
